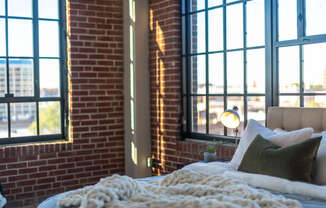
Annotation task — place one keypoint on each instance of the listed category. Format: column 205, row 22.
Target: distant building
column 20, row 84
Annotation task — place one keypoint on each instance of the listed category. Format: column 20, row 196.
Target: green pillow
column 294, row 162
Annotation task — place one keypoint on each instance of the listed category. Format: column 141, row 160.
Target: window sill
column 30, row 151
column 201, row 141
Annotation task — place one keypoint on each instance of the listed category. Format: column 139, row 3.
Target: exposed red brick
column 168, row 151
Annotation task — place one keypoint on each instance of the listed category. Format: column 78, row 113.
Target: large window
column 251, row 54
column 31, row 71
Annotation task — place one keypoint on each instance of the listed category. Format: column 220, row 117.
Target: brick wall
column 31, row 173
column 168, row 152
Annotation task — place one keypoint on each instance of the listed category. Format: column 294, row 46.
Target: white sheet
column 261, row 181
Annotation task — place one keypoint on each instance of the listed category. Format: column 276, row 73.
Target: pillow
column 286, row 138
column 294, row 162
column 320, row 173
column 320, row 177
column 254, row 128
column 279, row 131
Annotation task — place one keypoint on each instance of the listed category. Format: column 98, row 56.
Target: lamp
column 231, row 119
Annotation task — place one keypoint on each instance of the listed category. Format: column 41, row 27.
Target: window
column 32, row 89
column 251, row 54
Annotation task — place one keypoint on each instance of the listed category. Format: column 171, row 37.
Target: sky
column 314, row 62
column 20, row 33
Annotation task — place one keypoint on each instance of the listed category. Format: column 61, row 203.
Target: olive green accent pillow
column 294, row 162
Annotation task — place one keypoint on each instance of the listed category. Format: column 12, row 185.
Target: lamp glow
column 230, row 119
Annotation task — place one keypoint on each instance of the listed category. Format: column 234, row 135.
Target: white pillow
column 286, row 138
column 254, row 128
column 320, row 177
column 279, row 131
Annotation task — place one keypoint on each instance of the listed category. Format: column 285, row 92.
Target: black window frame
column 271, row 46
column 62, row 98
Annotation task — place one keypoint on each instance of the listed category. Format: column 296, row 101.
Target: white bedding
column 261, row 181
column 181, row 189
column 256, row 180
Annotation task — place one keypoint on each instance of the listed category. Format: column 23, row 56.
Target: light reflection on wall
column 159, row 87
column 132, row 20
column 71, row 127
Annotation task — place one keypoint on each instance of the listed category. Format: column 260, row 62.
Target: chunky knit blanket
column 181, row 189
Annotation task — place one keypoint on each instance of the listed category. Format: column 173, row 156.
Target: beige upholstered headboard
column 296, row 118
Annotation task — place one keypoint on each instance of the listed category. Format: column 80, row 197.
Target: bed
column 308, row 195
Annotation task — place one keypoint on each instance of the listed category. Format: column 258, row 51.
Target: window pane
column 289, row 70
column 234, row 24
column 49, row 78
column 23, row 122
column 216, row 108
column 3, row 121
column 212, row 3
column 21, row 78
column 235, row 72
column 20, row 8
column 49, row 113
column 256, row 108
column 287, row 19
column 197, row 22
column 49, row 38
column 316, row 15
column 183, row 5
column 3, row 77
column 2, row 37
column 20, row 37
column 48, row 9
column 289, row 101
column 315, row 101
column 2, row 7
column 315, row 68
column 199, row 114
column 215, row 33
column 216, row 73
column 198, row 74
column 256, row 71
column 236, row 101
column 197, row 5
column 255, row 23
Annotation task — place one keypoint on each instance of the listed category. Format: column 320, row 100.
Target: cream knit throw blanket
column 181, row 189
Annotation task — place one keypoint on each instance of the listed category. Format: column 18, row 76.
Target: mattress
column 307, row 202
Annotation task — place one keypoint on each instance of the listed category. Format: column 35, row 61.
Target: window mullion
column 274, row 52
column 188, row 70
column 207, row 67
column 36, row 62
column 268, row 55
column 301, row 34
column 300, row 19
column 225, row 59
column 7, row 68
column 245, row 62
column 301, row 76
column 63, row 71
